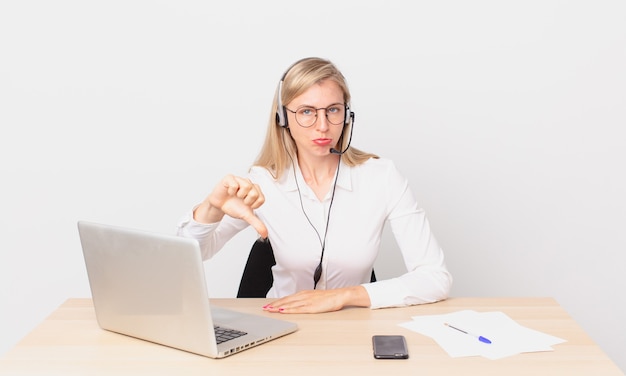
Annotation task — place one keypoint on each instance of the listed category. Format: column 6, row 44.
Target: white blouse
column 366, row 197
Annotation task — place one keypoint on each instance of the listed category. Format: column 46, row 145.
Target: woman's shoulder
column 260, row 172
column 263, row 175
column 377, row 164
column 382, row 170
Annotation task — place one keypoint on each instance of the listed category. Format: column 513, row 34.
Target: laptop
column 152, row 286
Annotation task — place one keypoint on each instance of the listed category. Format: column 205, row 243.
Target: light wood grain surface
column 69, row 342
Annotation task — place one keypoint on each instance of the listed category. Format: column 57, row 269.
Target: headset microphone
column 335, row 151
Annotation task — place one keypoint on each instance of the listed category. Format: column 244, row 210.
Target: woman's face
column 319, row 138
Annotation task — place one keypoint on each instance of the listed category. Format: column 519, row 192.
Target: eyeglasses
column 306, row 116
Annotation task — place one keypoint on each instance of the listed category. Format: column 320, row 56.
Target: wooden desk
column 69, row 342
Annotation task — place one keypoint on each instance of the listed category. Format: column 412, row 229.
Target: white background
column 507, row 118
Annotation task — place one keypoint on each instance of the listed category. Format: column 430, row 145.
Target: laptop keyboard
column 224, row 334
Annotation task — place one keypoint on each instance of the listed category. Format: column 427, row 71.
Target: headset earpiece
column 281, row 113
column 349, row 117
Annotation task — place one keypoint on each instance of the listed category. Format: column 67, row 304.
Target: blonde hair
column 279, row 146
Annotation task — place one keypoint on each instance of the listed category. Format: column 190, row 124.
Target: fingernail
column 280, row 309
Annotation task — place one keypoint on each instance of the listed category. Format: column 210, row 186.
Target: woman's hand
column 234, row 196
column 317, row 301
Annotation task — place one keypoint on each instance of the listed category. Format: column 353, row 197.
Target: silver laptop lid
column 149, row 286
column 152, row 286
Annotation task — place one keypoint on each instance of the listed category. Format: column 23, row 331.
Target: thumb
column 258, row 225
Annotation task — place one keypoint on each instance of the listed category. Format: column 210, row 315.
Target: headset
column 281, row 111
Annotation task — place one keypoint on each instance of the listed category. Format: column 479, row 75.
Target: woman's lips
column 322, row 141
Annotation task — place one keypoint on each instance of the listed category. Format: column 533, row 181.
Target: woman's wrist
column 356, row 296
column 206, row 213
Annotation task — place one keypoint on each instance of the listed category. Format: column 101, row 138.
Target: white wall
column 507, row 117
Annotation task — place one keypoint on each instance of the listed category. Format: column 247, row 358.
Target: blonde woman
column 323, row 204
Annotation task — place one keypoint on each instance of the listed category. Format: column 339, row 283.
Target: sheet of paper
column 507, row 336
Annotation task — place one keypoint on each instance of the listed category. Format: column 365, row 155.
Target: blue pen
column 480, row 338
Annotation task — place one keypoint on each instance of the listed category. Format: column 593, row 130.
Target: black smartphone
column 390, row 347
